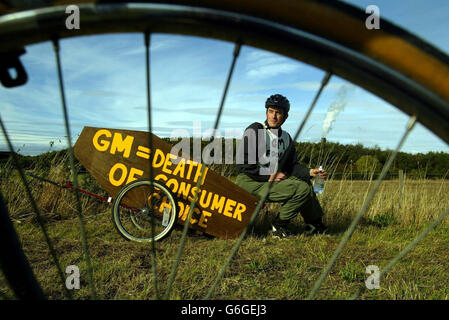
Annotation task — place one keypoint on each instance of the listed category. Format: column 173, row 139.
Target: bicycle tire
column 13, row 261
column 117, row 204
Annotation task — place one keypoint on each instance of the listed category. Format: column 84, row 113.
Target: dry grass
column 420, row 201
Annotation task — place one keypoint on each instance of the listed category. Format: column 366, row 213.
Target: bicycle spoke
column 150, row 137
column 236, row 53
column 228, row 82
column 265, row 196
column 72, row 166
column 35, row 208
column 365, row 207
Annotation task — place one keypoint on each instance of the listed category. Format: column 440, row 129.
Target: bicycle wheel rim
column 158, row 234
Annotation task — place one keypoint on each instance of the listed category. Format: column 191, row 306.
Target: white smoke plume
column 335, row 108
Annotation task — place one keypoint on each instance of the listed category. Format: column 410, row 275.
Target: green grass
column 264, row 268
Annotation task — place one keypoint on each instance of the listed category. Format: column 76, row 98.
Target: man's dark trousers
column 296, row 195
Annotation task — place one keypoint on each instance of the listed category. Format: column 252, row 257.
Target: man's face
column 275, row 117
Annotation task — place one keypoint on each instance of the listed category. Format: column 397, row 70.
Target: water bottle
column 318, row 184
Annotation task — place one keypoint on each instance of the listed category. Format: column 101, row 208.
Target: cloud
column 100, row 93
column 261, row 65
column 315, row 85
column 105, row 87
column 157, row 44
column 229, row 112
column 271, row 70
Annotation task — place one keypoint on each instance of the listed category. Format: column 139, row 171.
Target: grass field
column 264, row 267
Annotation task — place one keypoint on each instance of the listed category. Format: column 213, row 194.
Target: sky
column 104, row 78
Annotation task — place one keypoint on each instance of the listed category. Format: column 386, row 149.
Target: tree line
column 340, row 160
column 353, row 161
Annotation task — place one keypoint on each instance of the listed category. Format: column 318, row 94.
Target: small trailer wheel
column 144, row 211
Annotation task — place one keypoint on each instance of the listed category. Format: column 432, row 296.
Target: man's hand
column 318, row 173
column 279, row 177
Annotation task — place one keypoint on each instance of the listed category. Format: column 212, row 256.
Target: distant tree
column 367, row 164
column 417, row 174
column 429, row 165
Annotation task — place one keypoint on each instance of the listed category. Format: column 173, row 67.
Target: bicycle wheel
column 144, row 211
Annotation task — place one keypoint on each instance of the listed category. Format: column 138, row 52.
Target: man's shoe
column 279, row 228
column 317, row 227
column 279, row 232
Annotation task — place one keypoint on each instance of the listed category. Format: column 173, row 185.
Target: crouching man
column 292, row 185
